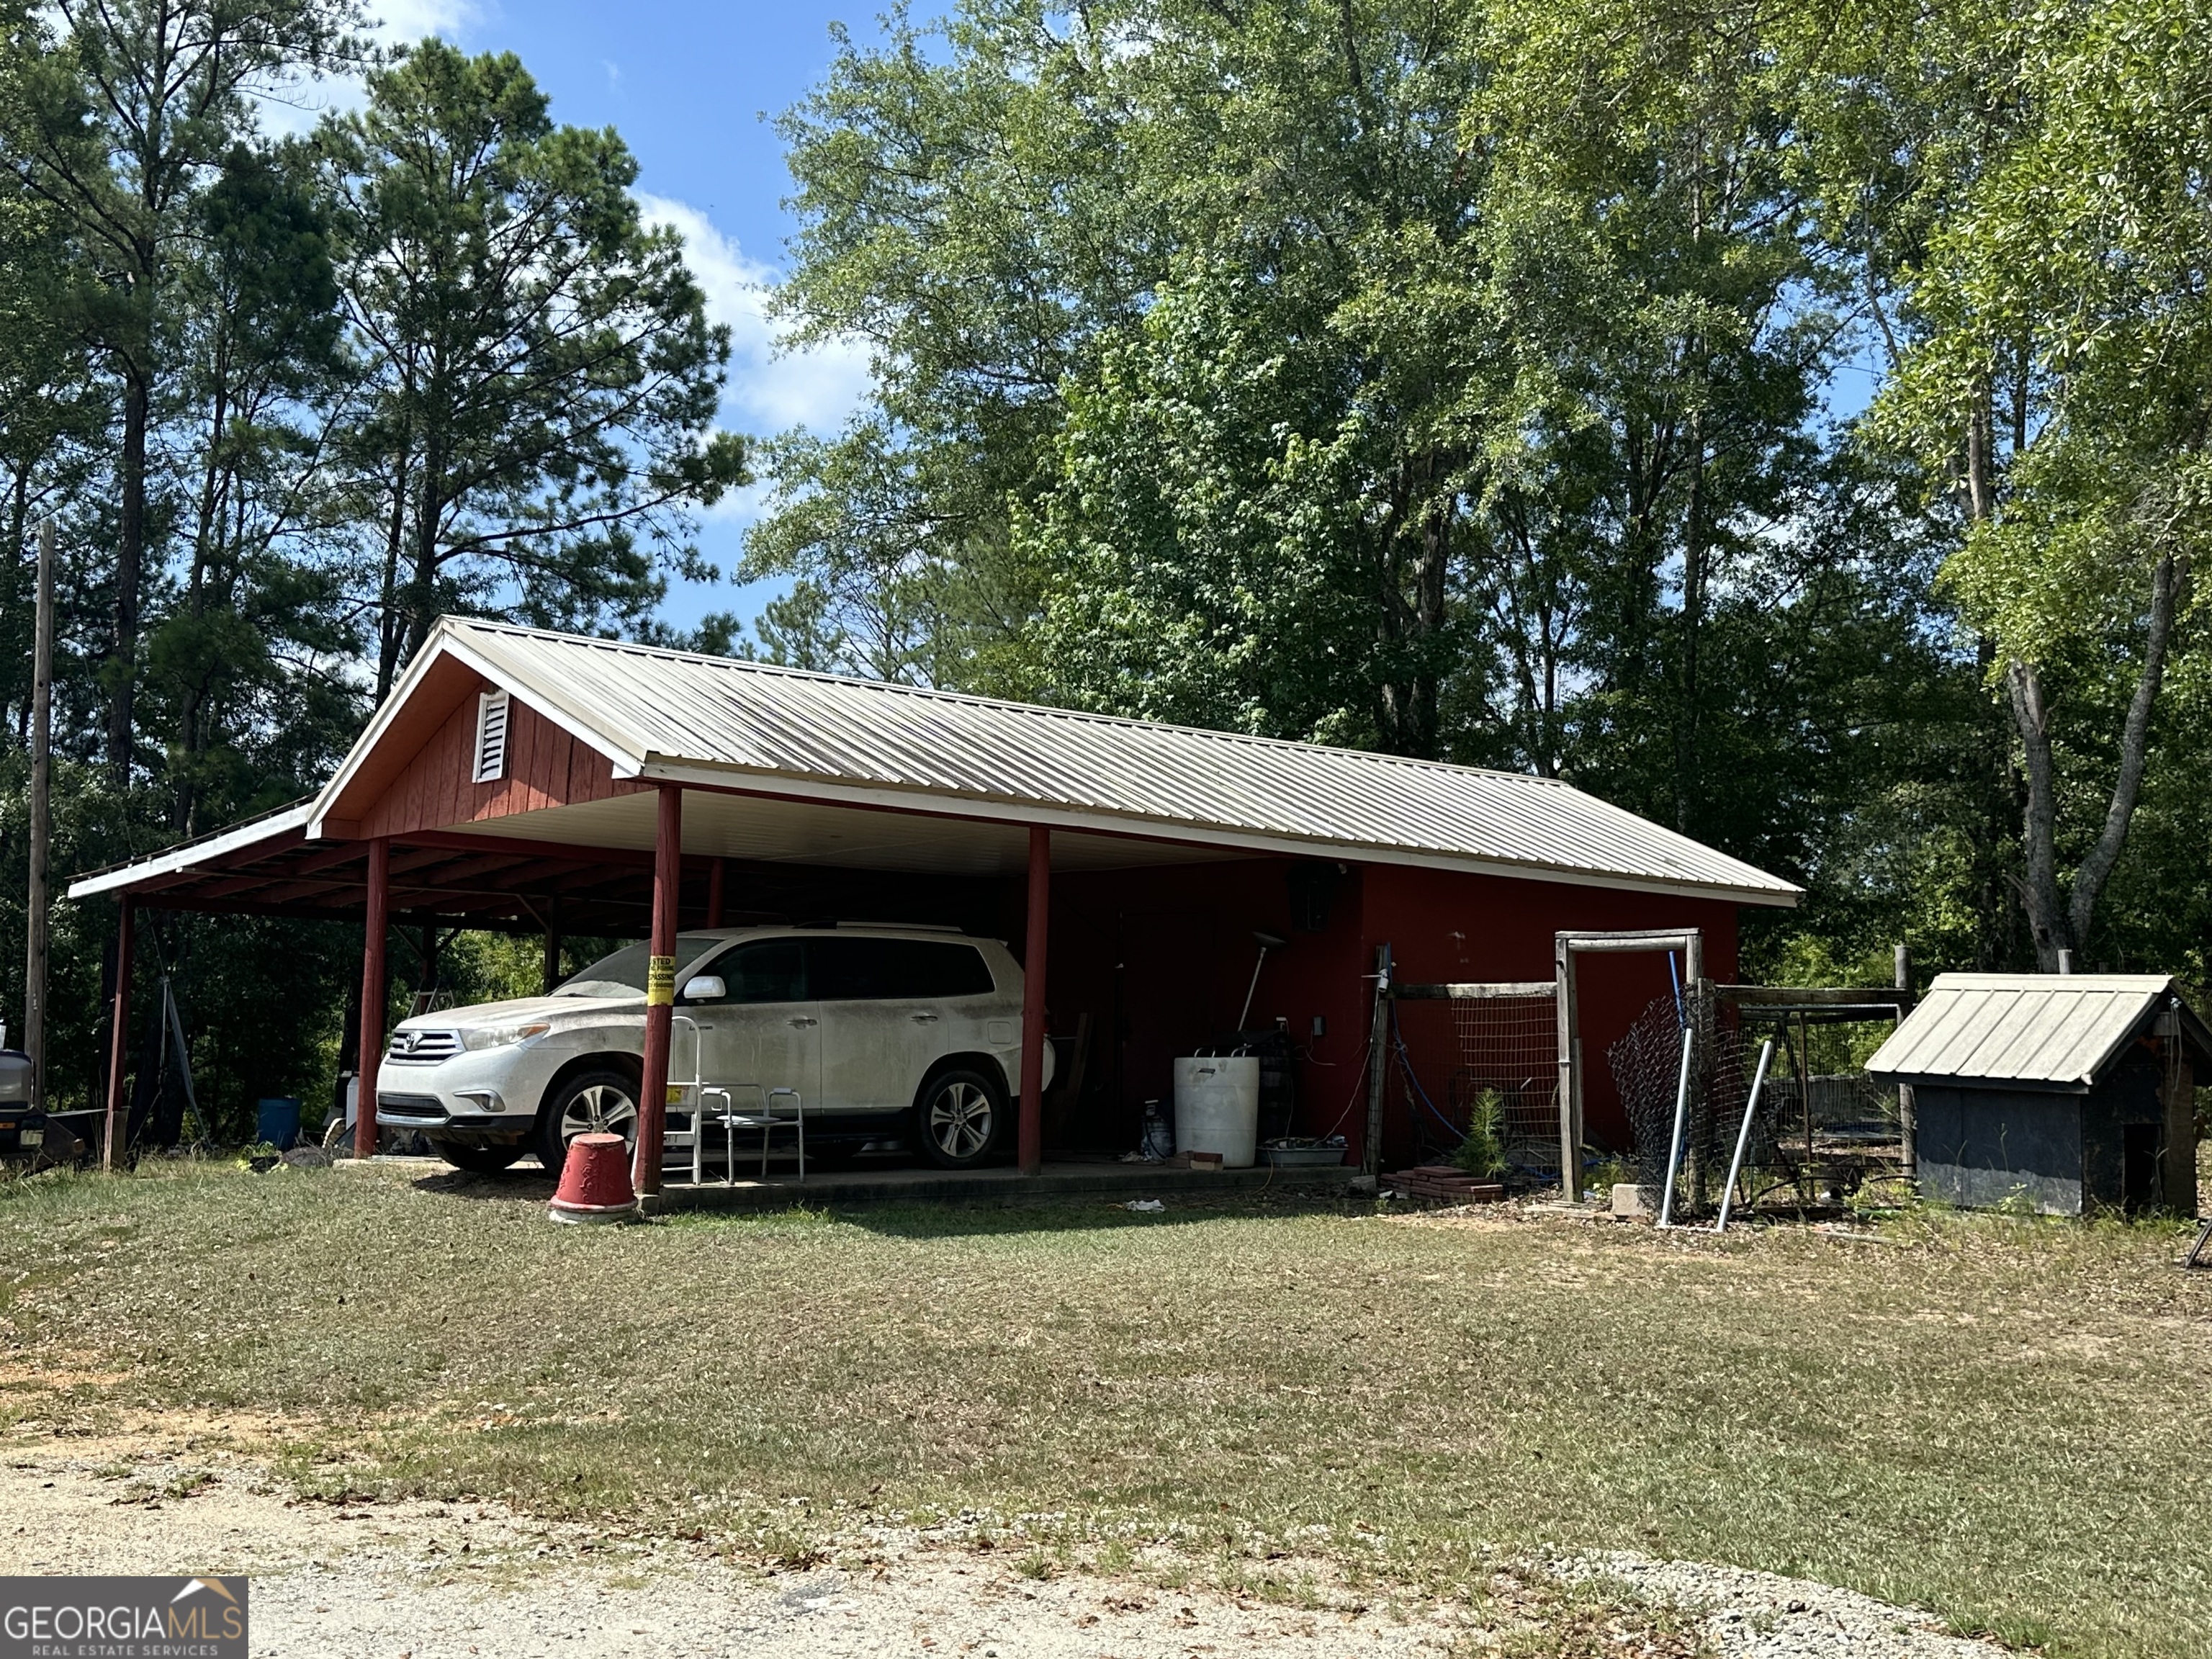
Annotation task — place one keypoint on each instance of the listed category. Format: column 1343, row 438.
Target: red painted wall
column 545, row 767
column 1160, row 959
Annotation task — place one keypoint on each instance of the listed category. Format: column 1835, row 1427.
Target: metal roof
column 2042, row 1031
column 692, row 719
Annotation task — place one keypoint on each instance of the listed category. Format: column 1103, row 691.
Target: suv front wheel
column 961, row 1119
column 601, row 1101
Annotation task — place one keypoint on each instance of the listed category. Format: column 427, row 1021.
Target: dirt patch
column 432, row 1580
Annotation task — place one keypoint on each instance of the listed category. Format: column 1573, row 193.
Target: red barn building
column 528, row 781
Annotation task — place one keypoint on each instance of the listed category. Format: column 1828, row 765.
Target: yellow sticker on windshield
column 659, row 982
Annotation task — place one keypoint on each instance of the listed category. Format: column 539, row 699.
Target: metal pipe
column 1743, row 1135
column 119, row 1036
column 659, row 990
column 1267, row 942
column 375, row 993
column 1682, row 1112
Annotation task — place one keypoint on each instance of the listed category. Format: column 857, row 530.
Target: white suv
column 886, row 1034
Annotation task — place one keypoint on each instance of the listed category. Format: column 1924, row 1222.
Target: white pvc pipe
column 1681, row 1113
column 1743, row 1135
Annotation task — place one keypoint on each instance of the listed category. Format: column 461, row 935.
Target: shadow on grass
column 1076, row 1212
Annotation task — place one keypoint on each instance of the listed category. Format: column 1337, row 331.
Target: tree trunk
column 388, row 630
column 129, row 563
column 1694, row 618
column 2064, row 924
column 2166, row 579
column 2047, row 919
column 19, row 531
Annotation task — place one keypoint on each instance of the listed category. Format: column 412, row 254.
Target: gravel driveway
column 426, row 1580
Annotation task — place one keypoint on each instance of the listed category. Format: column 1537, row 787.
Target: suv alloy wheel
column 961, row 1118
column 601, row 1101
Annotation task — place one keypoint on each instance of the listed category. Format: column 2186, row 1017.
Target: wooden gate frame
column 1566, row 945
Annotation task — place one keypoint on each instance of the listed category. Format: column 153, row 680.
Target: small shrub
column 1483, row 1153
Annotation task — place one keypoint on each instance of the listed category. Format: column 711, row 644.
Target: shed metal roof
column 2039, row 1030
column 693, row 718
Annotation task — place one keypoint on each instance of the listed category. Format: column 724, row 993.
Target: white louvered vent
column 491, row 737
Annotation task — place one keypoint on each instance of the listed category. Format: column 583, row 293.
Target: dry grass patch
column 1999, row 1420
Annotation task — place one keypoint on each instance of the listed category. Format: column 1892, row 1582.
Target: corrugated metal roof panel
column 656, row 710
column 2047, row 1030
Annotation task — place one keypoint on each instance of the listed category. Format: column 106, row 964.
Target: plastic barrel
column 279, row 1123
column 1216, row 1107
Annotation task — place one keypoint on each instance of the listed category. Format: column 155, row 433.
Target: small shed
column 2071, row 1093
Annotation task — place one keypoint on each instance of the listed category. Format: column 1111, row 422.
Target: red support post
column 375, row 988
column 659, row 989
column 1030, row 1113
column 118, row 1038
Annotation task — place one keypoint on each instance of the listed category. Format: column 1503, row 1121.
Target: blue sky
column 693, row 87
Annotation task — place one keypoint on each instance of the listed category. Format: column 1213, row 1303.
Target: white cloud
column 771, row 388
column 405, row 21
column 293, row 110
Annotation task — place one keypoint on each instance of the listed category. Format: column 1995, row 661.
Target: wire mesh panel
column 1647, row 1064
column 1509, row 1071
column 1822, row 1126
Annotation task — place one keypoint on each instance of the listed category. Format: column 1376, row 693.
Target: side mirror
column 705, row 987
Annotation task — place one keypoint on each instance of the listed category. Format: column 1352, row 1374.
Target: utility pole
column 42, row 773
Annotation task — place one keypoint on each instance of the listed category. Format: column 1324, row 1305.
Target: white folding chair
column 694, row 1137
column 778, row 1109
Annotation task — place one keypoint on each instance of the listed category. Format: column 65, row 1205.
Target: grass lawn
column 2008, row 1421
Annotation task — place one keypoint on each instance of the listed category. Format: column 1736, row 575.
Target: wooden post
column 1568, row 1014
column 551, row 970
column 1908, row 1115
column 42, row 774
column 1029, row 1120
column 717, row 881
column 659, row 990
column 1378, row 1041
column 1805, row 1099
column 376, row 991
column 118, row 1035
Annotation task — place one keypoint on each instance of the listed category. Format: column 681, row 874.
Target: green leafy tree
column 116, row 129
column 2063, row 355
column 540, row 378
column 249, row 658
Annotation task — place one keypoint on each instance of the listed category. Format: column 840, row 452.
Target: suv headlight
column 504, row 1037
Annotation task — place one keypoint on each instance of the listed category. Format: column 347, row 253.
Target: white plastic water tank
column 1216, row 1107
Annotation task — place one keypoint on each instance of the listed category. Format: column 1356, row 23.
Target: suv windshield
column 622, row 974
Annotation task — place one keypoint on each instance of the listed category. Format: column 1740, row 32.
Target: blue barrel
column 280, row 1122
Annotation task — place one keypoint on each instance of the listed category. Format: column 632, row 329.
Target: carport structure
column 526, row 781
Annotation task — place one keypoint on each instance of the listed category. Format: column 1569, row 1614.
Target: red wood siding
column 1160, row 958
column 545, row 767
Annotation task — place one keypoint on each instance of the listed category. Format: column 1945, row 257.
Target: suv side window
column 765, row 970
column 875, row 970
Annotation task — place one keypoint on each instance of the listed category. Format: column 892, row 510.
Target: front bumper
column 428, row 1115
column 486, row 1098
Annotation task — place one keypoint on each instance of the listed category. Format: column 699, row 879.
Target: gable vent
column 491, row 737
